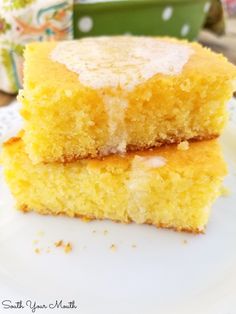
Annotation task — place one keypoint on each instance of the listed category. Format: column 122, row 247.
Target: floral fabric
column 23, row 21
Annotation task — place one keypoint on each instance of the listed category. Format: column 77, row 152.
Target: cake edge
column 47, row 212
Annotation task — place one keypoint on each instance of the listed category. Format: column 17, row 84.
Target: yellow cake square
column 167, row 187
column 97, row 96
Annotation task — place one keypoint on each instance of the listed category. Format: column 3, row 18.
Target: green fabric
column 4, row 26
column 24, row 21
column 7, row 63
column 16, row 4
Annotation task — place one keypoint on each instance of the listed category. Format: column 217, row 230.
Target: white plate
column 162, row 274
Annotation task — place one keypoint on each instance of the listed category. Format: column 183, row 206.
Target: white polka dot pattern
column 127, row 33
column 85, row 24
column 185, row 30
column 207, row 6
column 167, row 13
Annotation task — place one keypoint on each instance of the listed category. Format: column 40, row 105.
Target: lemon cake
column 168, row 186
column 97, row 96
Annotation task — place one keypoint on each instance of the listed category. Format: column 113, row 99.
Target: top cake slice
column 105, row 95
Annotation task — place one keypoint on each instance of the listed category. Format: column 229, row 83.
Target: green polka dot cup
column 177, row 18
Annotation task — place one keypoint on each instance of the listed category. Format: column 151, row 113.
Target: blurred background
column 211, row 22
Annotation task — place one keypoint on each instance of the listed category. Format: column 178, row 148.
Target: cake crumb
column 59, row 243
column 225, row 191
column 86, row 219
column 133, row 246
column 94, row 231
column 183, row 145
column 113, row 247
column 105, row 232
column 185, row 241
column 68, row 247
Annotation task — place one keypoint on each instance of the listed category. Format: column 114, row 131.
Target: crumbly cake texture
column 97, row 96
column 166, row 187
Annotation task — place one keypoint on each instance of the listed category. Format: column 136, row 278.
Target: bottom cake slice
column 166, row 187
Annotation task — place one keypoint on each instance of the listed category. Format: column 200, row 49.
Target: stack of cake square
column 121, row 128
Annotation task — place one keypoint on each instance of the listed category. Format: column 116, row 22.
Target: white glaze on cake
column 152, row 161
column 138, row 185
column 119, row 63
column 117, row 137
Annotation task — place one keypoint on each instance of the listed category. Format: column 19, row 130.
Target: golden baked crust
column 85, row 218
